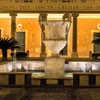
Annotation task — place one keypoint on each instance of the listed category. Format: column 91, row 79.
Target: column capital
column 13, row 14
column 75, row 14
column 43, row 16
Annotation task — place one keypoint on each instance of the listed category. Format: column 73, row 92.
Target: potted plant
column 5, row 44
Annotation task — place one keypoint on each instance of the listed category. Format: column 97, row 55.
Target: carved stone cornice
column 50, row 6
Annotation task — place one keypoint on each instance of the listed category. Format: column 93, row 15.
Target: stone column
column 65, row 17
column 74, row 36
column 42, row 17
column 13, row 23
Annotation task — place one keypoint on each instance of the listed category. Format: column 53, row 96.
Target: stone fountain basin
column 55, row 45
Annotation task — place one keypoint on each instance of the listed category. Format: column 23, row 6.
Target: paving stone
column 49, row 93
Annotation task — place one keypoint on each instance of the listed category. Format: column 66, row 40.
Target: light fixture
column 19, row 26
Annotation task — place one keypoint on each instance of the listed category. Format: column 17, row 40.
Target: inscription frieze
column 49, row 5
column 48, row 1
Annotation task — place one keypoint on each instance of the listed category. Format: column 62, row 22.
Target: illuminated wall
column 33, row 37
column 5, row 26
column 86, row 26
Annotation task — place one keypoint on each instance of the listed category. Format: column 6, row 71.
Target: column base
column 74, row 55
column 43, row 54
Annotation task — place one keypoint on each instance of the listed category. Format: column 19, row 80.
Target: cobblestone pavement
column 11, row 93
column 50, row 93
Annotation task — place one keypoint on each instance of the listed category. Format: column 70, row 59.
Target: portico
column 39, row 76
column 41, row 10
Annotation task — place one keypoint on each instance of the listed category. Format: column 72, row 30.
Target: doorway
column 20, row 36
column 95, row 46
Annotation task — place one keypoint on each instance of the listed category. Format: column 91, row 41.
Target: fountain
column 55, row 32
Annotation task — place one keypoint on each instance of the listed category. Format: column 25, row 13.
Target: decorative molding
column 76, row 14
column 49, row 5
column 13, row 14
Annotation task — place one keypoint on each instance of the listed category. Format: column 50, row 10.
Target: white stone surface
column 55, row 34
column 54, row 45
column 56, row 29
column 39, row 65
column 27, row 65
column 54, row 67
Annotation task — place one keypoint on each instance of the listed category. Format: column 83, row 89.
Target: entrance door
column 20, row 36
column 96, row 47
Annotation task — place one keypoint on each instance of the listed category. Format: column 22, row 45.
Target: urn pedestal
column 54, row 67
column 55, row 40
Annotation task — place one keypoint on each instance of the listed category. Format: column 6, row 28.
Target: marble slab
column 54, row 67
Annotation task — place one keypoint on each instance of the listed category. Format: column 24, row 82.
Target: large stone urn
column 55, row 33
